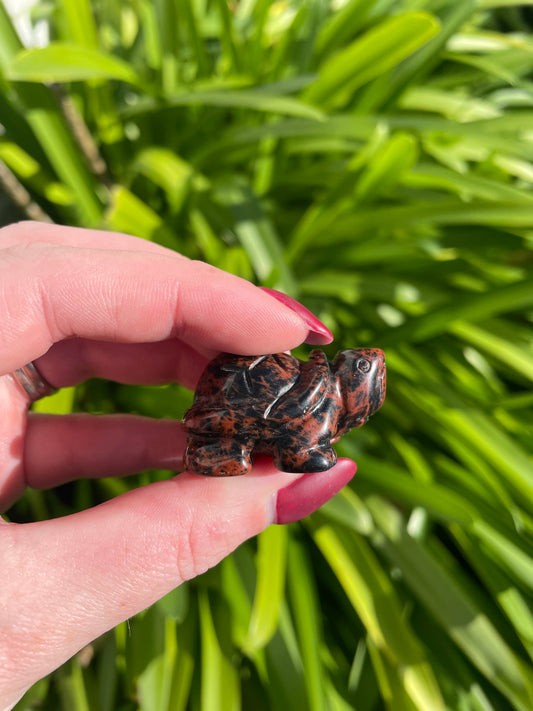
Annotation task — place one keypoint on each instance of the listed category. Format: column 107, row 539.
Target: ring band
column 32, row 382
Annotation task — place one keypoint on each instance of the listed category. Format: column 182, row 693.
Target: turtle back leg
column 212, row 456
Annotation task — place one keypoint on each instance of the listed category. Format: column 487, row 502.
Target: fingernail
column 319, row 334
column 310, row 491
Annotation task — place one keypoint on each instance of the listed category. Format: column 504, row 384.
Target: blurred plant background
column 373, row 159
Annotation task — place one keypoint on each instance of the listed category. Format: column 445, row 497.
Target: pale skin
column 84, row 303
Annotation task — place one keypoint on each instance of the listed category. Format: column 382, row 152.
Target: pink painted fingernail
column 310, row 491
column 319, row 334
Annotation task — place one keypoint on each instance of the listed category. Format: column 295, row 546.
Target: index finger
column 52, row 292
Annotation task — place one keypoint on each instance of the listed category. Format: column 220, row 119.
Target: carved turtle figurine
column 278, row 405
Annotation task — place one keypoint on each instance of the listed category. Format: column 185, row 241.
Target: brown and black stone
column 278, row 405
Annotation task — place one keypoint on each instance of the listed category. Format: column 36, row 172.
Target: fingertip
column 310, row 491
column 319, row 334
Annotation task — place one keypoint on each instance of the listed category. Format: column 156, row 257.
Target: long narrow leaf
column 451, row 605
column 64, row 62
column 374, row 600
column 220, row 688
column 380, row 49
column 306, row 613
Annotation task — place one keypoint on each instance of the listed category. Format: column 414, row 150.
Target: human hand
column 80, row 304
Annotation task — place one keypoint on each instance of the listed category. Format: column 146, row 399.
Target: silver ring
column 32, row 382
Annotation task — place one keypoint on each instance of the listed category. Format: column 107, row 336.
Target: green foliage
column 376, row 162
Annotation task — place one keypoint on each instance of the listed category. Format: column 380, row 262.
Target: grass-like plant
column 376, row 162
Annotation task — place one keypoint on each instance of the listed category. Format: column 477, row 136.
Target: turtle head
column 361, row 379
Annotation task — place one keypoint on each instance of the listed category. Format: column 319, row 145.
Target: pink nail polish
column 310, row 491
column 319, row 334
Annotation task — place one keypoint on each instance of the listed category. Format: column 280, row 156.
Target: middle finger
column 75, row 360
column 60, row 448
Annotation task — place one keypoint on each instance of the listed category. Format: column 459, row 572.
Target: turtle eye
column 363, row 365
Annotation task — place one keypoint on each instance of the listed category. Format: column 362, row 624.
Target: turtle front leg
column 290, row 456
column 212, row 456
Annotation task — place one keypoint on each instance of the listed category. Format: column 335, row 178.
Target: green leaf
column 284, row 681
column 389, row 164
column 392, row 691
column 470, row 307
column 503, row 3
column 444, row 212
column 450, row 604
column 62, row 62
column 80, row 21
column 467, row 185
column 254, row 99
column 220, row 683
column 518, row 358
column 38, row 108
column 155, row 683
column 441, row 501
column 496, row 446
column 59, row 403
column 372, row 595
column 419, row 65
column 256, row 233
column 376, row 52
column 30, row 172
column 72, row 688
column 107, row 675
column 511, row 600
column 341, row 26
column 512, row 557
column 270, row 586
column 128, row 213
column 186, row 659
column 306, row 614
column 170, row 172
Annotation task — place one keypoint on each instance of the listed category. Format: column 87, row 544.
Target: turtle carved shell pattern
column 278, row 405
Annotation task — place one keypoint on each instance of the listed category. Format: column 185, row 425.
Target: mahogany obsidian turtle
column 278, row 405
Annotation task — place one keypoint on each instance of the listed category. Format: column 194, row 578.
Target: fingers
column 58, row 449
column 76, row 577
column 51, row 292
column 76, row 359
column 28, row 232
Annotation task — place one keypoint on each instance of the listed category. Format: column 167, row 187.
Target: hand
column 80, row 304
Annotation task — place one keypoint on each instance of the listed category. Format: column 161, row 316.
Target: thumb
column 73, row 578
